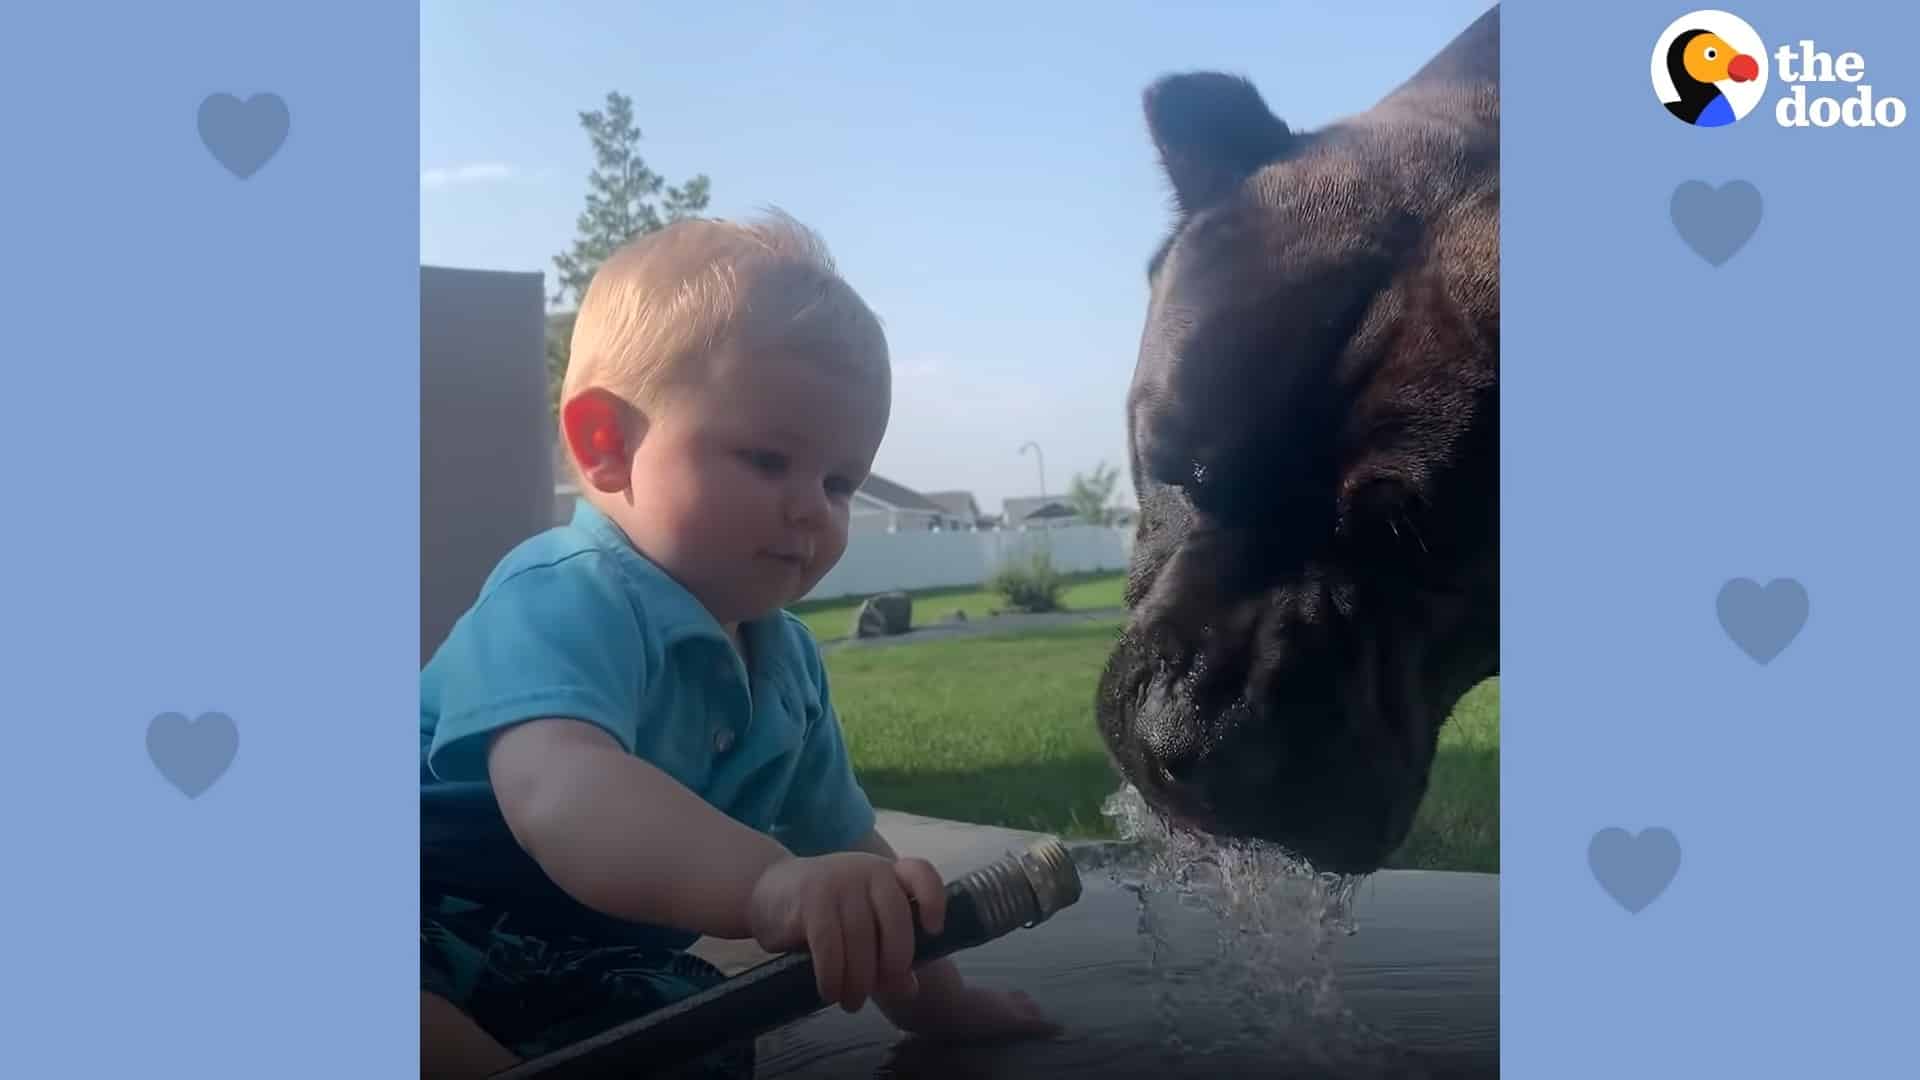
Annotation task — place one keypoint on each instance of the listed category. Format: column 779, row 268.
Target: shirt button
column 723, row 740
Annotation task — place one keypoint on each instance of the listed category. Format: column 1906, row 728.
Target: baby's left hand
column 980, row 1013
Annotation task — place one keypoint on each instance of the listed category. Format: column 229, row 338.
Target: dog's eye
column 1374, row 510
column 1384, row 523
column 1209, row 491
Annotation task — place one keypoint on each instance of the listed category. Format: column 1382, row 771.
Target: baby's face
column 742, row 486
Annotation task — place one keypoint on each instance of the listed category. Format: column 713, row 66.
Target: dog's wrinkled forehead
column 1270, row 273
column 1256, row 301
column 1271, row 296
column 1312, row 206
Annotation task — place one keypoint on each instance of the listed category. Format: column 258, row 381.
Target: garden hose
column 1020, row 890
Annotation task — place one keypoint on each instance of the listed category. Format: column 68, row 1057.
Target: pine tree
column 622, row 193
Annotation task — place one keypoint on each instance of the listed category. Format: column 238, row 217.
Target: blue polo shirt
column 575, row 622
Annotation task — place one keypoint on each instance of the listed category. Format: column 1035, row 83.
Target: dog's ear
column 1212, row 131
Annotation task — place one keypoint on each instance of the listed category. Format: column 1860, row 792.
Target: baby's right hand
column 849, row 910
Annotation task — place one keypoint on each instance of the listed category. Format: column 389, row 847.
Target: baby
column 655, row 729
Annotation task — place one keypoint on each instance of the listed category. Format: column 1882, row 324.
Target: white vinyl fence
column 877, row 562
column 881, row 562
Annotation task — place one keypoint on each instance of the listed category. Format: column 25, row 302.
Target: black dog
column 1313, row 429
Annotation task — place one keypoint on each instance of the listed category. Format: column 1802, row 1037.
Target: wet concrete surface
column 1414, row 993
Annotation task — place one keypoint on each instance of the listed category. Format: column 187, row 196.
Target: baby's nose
column 808, row 505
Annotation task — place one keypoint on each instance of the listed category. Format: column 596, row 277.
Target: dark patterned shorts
column 536, row 996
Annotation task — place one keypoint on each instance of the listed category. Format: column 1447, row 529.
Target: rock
column 884, row 615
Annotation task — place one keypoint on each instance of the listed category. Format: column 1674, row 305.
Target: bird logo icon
column 1709, row 68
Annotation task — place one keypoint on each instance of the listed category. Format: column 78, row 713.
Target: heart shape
column 243, row 135
column 192, row 754
column 1763, row 622
column 1716, row 222
column 1634, row 870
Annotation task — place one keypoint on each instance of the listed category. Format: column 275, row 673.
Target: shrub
column 1029, row 585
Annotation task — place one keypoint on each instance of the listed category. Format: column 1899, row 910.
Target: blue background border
column 1666, row 426
column 215, row 392
column 211, row 425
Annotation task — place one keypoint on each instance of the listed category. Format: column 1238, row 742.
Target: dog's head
column 1313, row 428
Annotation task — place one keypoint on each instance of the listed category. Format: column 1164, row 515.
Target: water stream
column 1186, row 956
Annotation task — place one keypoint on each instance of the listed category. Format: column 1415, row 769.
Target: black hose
column 1023, row 889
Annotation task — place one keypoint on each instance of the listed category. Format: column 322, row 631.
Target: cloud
column 432, row 179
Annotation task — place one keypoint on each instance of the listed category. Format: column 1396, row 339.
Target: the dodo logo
column 1710, row 70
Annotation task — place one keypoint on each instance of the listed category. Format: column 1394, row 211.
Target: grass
column 994, row 729
column 998, row 730
column 830, row 619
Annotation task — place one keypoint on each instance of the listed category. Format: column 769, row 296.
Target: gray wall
column 486, row 475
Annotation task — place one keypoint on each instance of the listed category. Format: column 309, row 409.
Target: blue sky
column 981, row 172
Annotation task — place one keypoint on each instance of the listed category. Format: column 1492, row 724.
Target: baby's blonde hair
column 663, row 303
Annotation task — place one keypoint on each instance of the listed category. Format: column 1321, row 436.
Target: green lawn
column 999, row 730
column 830, row 619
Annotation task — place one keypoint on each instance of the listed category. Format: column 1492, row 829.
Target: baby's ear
column 601, row 433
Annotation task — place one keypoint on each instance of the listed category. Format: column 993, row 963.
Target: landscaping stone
column 949, row 628
column 884, row 615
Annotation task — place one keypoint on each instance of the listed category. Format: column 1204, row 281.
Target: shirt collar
column 676, row 610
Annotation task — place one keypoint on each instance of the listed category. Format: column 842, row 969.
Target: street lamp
column 1041, row 460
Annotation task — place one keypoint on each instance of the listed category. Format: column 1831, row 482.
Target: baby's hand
column 849, row 910
column 978, row 1013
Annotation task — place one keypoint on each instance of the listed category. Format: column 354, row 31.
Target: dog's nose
column 1164, row 726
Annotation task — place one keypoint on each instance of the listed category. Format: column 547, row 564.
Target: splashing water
column 1276, row 921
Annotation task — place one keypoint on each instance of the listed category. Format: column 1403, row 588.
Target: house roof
column 898, row 496
column 1021, row 507
column 957, row 503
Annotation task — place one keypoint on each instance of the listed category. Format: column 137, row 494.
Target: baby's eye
column 839, row 486
column 767, row 460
